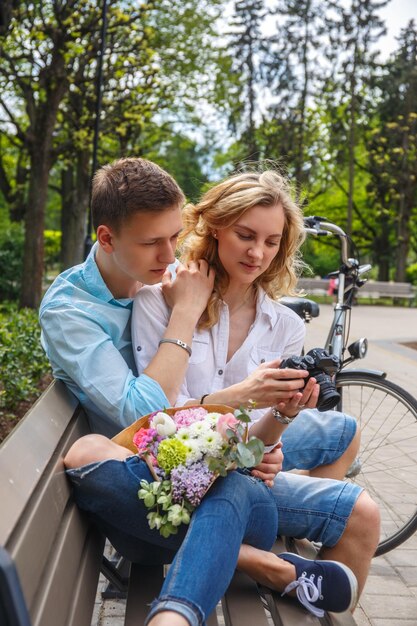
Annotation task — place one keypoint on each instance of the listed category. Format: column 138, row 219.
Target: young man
column 85, row 315
column 85, row 319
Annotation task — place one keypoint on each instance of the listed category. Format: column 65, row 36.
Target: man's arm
column 83, row 354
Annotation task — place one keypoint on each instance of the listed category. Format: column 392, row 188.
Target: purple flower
column 190, row 482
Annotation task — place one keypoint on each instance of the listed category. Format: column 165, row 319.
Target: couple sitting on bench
column 214, row 334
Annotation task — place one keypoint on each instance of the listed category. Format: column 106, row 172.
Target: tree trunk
column 299, row 165
column 382, row 250
column 75, row 204
column 403, row 236
column 34, row 226
column 352, row 141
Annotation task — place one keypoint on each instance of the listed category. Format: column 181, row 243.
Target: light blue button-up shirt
column 86, row 336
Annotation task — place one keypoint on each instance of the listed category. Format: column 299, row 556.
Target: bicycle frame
column 335, row 342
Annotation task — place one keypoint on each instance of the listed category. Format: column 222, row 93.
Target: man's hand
column 191, row 287
column 270, row 466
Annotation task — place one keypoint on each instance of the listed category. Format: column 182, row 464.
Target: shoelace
column 307, row 592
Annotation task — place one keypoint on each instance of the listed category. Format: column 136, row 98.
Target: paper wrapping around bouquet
column 125, row 437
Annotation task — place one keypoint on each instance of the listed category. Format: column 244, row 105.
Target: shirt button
column 138, row 348
column 262, row 360
column 220, row 372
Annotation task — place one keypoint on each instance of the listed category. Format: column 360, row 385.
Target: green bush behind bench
column 22, row 360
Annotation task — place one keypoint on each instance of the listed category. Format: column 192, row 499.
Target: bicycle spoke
column 388, row 420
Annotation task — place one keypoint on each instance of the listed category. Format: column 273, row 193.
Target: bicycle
column 387, row 414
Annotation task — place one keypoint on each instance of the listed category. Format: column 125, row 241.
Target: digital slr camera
column 322, row 366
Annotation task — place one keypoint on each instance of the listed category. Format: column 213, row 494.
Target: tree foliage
column 201, row 88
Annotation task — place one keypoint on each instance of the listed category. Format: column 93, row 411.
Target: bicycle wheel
column 387, row 416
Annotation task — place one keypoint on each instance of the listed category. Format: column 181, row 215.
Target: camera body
column 322, row 366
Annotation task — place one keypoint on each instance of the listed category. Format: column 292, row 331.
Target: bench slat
column 242, row 605
column 144, row 586
column 76, row 550
column 26, row 454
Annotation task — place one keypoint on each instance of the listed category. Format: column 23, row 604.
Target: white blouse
column 277, row 332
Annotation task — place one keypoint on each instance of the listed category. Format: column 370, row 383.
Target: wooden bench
column 51, row 556
column 372, row 289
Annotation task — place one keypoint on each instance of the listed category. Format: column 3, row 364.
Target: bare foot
column 265, row 567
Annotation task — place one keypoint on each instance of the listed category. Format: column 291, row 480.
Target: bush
column 321, row 258
column 11, row 257
column 11, row 261
column 411, row 273
column 22, row 360
column 52, row 243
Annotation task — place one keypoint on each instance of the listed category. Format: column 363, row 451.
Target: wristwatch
column 283, row 419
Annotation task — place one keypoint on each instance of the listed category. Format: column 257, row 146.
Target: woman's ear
column 105, row 238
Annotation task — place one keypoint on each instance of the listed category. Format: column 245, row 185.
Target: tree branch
column 19, row 131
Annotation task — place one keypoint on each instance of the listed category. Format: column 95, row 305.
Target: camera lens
column 328, row 395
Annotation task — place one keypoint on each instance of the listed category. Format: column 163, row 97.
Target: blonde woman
column 249, row 229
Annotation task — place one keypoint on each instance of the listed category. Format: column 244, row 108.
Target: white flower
column 211, row 443
column 163, row 424
column 183, row 434
column 212, row 418
column 194, row 452
column 198, row 428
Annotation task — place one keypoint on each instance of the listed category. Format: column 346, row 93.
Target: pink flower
column 186, row 417
column 225, row 422
column 145, row 438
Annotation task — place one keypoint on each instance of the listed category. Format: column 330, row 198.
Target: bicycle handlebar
column 320, row 227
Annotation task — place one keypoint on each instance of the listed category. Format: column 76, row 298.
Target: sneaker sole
column 350, row 576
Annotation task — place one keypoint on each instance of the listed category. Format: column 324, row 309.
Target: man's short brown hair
column 129, row 185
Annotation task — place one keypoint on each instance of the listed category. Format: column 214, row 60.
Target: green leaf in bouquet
column 217, row 465
column 175, row 515
column 245, row 456
column 149, row 500
column 165, row 500
column 155, row 520
column 231, row 435
column 168, row 529
column 256, row 446
column 242, row 415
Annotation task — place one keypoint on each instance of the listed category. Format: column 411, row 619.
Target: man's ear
column 105, row 238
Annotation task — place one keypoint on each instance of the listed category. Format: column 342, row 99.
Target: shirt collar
column 95, row 283
column 265, row 306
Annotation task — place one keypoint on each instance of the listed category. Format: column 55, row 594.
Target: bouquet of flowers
column 186, row 450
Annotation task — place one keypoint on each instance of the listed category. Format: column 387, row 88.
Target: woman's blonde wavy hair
column 220, row 207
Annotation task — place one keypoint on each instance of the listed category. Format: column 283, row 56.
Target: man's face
column 144, row 246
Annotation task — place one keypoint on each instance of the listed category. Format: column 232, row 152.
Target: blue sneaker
column 322, row 585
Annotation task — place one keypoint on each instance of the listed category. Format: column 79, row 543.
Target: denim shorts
column 315, row 439
column 317, row 509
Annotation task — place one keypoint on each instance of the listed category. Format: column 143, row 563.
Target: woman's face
column 247, row 247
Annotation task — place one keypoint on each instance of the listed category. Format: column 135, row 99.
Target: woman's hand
column 268, row 385
column 270, row 466
column 307, row 399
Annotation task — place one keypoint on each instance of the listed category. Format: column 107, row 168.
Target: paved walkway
column 390, row 595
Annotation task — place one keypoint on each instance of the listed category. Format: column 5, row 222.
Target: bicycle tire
column 387, row 415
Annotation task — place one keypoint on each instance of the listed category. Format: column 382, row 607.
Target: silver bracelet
column 179, row 343
column 282, row 419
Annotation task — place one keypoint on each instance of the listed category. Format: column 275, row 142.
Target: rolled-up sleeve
column 84, row 356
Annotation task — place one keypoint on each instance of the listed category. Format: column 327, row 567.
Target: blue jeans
column 236, row 509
